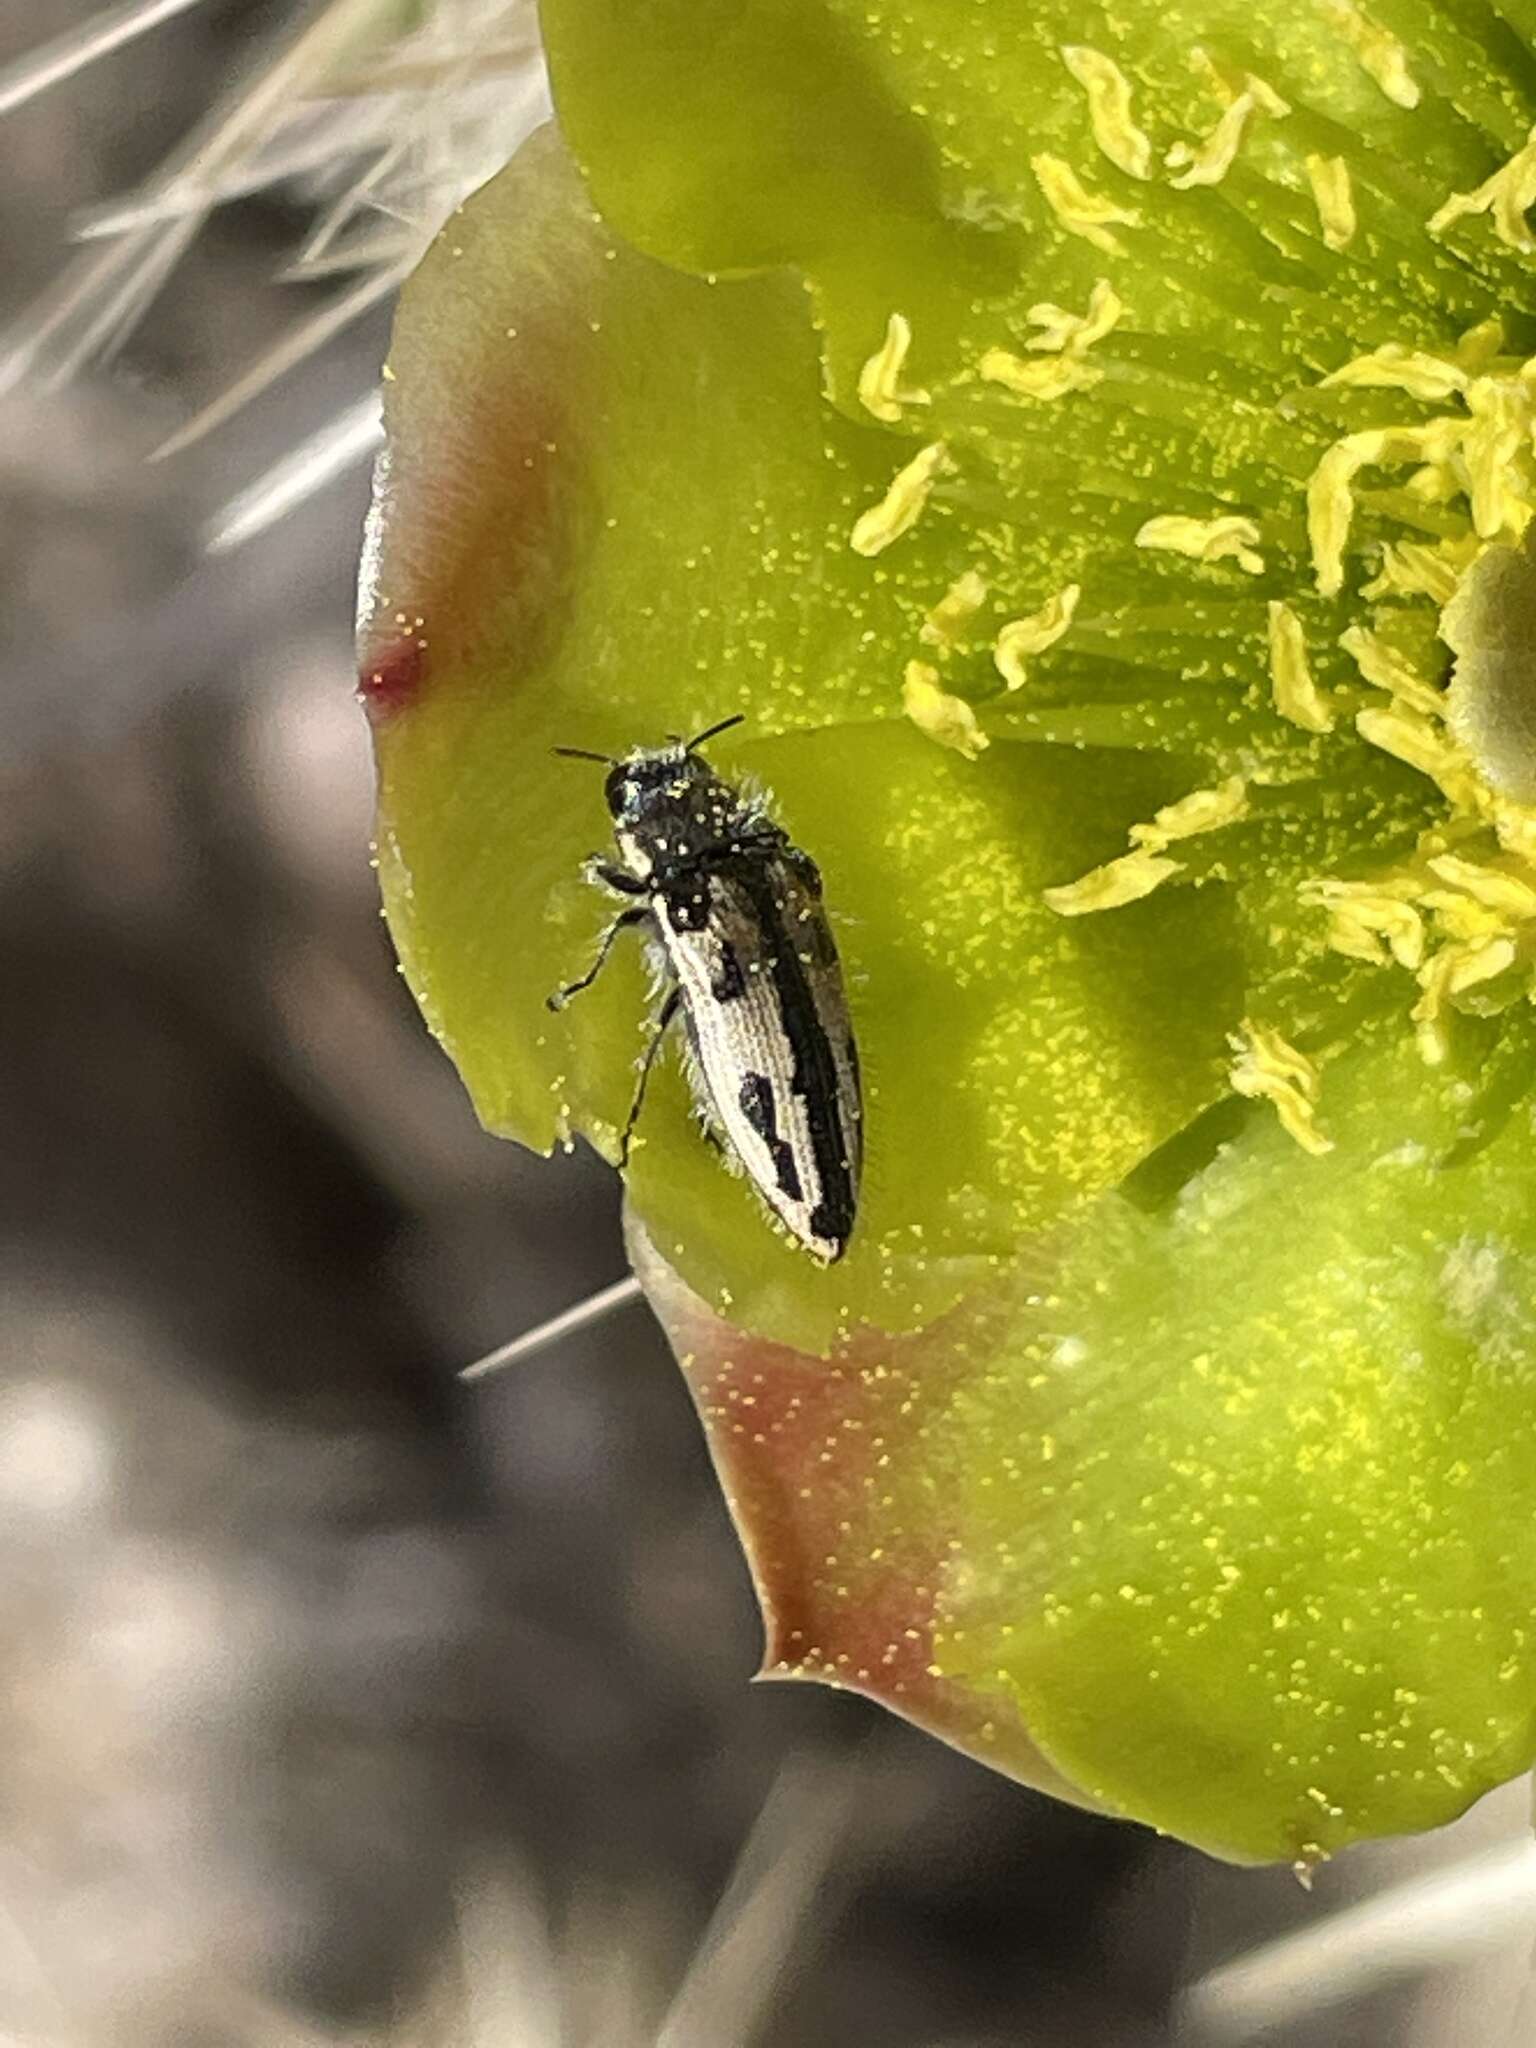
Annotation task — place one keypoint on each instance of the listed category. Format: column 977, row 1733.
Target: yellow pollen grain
column 1506, row 196
column 1109, row 109
column 1205, row 540
column 1118, row 882
column 1203, row 810
column 880, row 387
column 1333, row 194
column 1209, row 162
column 946, row 623
column 942, row 716
column 1270, row 1069
column 1385, row 669
column 901, row 507
column 1021, row 638
column 1378, row 51
column 1076, row 332
column 1394, row 368
column 1079, row 211
column 1295, row 693
column 1038, row 377
column 1452, row 971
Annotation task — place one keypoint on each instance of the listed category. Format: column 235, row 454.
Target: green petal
column 580, row 580
column 1218, row 1516
column 851, row 140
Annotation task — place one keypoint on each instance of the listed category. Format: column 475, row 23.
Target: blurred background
column 342, row 1702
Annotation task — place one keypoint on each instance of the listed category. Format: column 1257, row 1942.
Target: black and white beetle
column 735, row 911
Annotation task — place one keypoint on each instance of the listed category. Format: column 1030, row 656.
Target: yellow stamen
column 880, row 387
column 1412, row 568
column 1021, row 638
column 1366, row 918
column 1209, row 163
column 1039, row 377
column 1203, row 810
column 1453, row 970
column 1109, row 887
column 1069, row 336
column 1496, row 888
column 1227, row 85
column 1426, row 747
column 1385, row 669
column 1109, row 109
column 1379, row 52
column 1330, row 494
column 899, row 510
column 1515, row 823
column 1205, row 540
column 1076, row 332
column 1462, row 917
column 1394, row 368
column 1265, row 98
column 1435, row 484
column 1506, row 195
column 1079, row 211
column 947, row 621
column 1269, row 1068
column 1354, row 938
column 1493, row 443
column 1481, row 345
column 1296, row 694
column 943, row 717
column 1139, row 872
column 1333, row 194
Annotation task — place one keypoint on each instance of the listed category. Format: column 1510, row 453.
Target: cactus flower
column 1093, row 446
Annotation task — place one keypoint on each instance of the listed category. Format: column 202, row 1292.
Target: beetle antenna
column 709, row 732
column 584, row 754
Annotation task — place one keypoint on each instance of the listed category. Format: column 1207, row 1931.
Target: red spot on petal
column 390, row 681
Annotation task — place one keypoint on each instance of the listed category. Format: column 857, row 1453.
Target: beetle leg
column 619, row 880
column 669, row 1010
column 624, row 919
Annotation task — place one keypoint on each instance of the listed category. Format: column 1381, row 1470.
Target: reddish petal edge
column 493, row 383
column 813, row 1456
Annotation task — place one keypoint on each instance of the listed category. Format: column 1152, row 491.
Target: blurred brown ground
column 339, row 1702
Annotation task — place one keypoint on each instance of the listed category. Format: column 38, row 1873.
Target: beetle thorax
column 669, row 811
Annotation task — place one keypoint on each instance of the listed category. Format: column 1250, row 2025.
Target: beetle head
column 654, row 779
